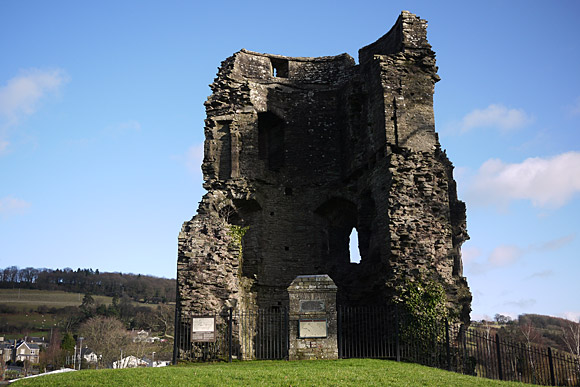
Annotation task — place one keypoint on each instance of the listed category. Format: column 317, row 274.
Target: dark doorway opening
column 271, row 140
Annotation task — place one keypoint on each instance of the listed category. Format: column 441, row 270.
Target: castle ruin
column 298, row 153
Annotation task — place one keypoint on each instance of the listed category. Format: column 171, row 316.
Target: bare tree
column 106, row 336
column 571, row 336
column 52, row 357
column 11, row 274
column 532, row 336
column 165, row 319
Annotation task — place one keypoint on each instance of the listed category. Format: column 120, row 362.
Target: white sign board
column 203, row 329
column 312, row 328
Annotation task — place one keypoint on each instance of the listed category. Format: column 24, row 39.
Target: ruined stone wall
column 303, row 150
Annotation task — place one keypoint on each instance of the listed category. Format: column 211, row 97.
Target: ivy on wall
column 423, row 304
column 237, row 233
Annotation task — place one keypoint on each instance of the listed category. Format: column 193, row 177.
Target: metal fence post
column 447, row 343
column 397, row 344
column 500, row 371
column 176, row 334
column 463, row 334
column 551, row 361
column 230, row 334
column 339, row 333
column 287, row 333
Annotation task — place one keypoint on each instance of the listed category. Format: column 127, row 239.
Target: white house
column 143, row 337
column 89, row 355
column 130, row 362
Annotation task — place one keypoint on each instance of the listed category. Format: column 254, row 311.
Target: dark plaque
column 312, row 306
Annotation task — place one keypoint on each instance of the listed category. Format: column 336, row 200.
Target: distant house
column 142, row 336
column 6, row 349
column 162, row 363
column 130, row 362
column 89, row 355
column 40, row 341
column 26, row 351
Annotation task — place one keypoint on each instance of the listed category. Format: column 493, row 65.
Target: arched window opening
column 353, row 247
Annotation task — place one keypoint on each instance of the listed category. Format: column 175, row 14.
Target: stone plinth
column 313, row 320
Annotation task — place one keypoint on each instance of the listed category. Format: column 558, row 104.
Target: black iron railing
column 244, row 335
column 378, row 332
column 371, row 332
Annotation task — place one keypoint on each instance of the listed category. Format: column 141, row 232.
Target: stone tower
column 301, row 151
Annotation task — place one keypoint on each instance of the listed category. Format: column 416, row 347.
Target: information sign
column 203, row 329
column 312, row 328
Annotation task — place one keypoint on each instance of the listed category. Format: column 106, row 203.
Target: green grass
column 352, row 372
column 26, row 299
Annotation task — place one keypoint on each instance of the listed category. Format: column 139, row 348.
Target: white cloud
column 21, row 94
column 470, row 254
column 542, row 274
column 11, row 206
column 495, row 116
column 194, row 158
column 556, row 244
column 572, row 316
column 546, row 182
column 505, row 255
column 499, row 257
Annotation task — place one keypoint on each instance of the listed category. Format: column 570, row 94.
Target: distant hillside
column 547, row 331
column 138, row 287
column 35, row 312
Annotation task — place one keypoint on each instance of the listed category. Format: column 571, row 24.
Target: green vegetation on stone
column 237, row 233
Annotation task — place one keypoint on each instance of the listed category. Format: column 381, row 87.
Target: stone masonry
column 312, row 302
column 301, row 151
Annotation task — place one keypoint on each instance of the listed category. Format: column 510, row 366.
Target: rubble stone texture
column 303, row 150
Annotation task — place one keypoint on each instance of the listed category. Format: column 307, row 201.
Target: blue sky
column 101, row 126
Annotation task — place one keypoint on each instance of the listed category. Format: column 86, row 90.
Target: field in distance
column 35, row 312
column 26, row 299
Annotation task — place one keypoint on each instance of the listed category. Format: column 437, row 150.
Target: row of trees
column 136, row 286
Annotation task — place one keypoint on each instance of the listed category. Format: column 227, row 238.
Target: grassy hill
column 37, row 311
column 541, row 330
column 26, row 299
column 352, row 372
